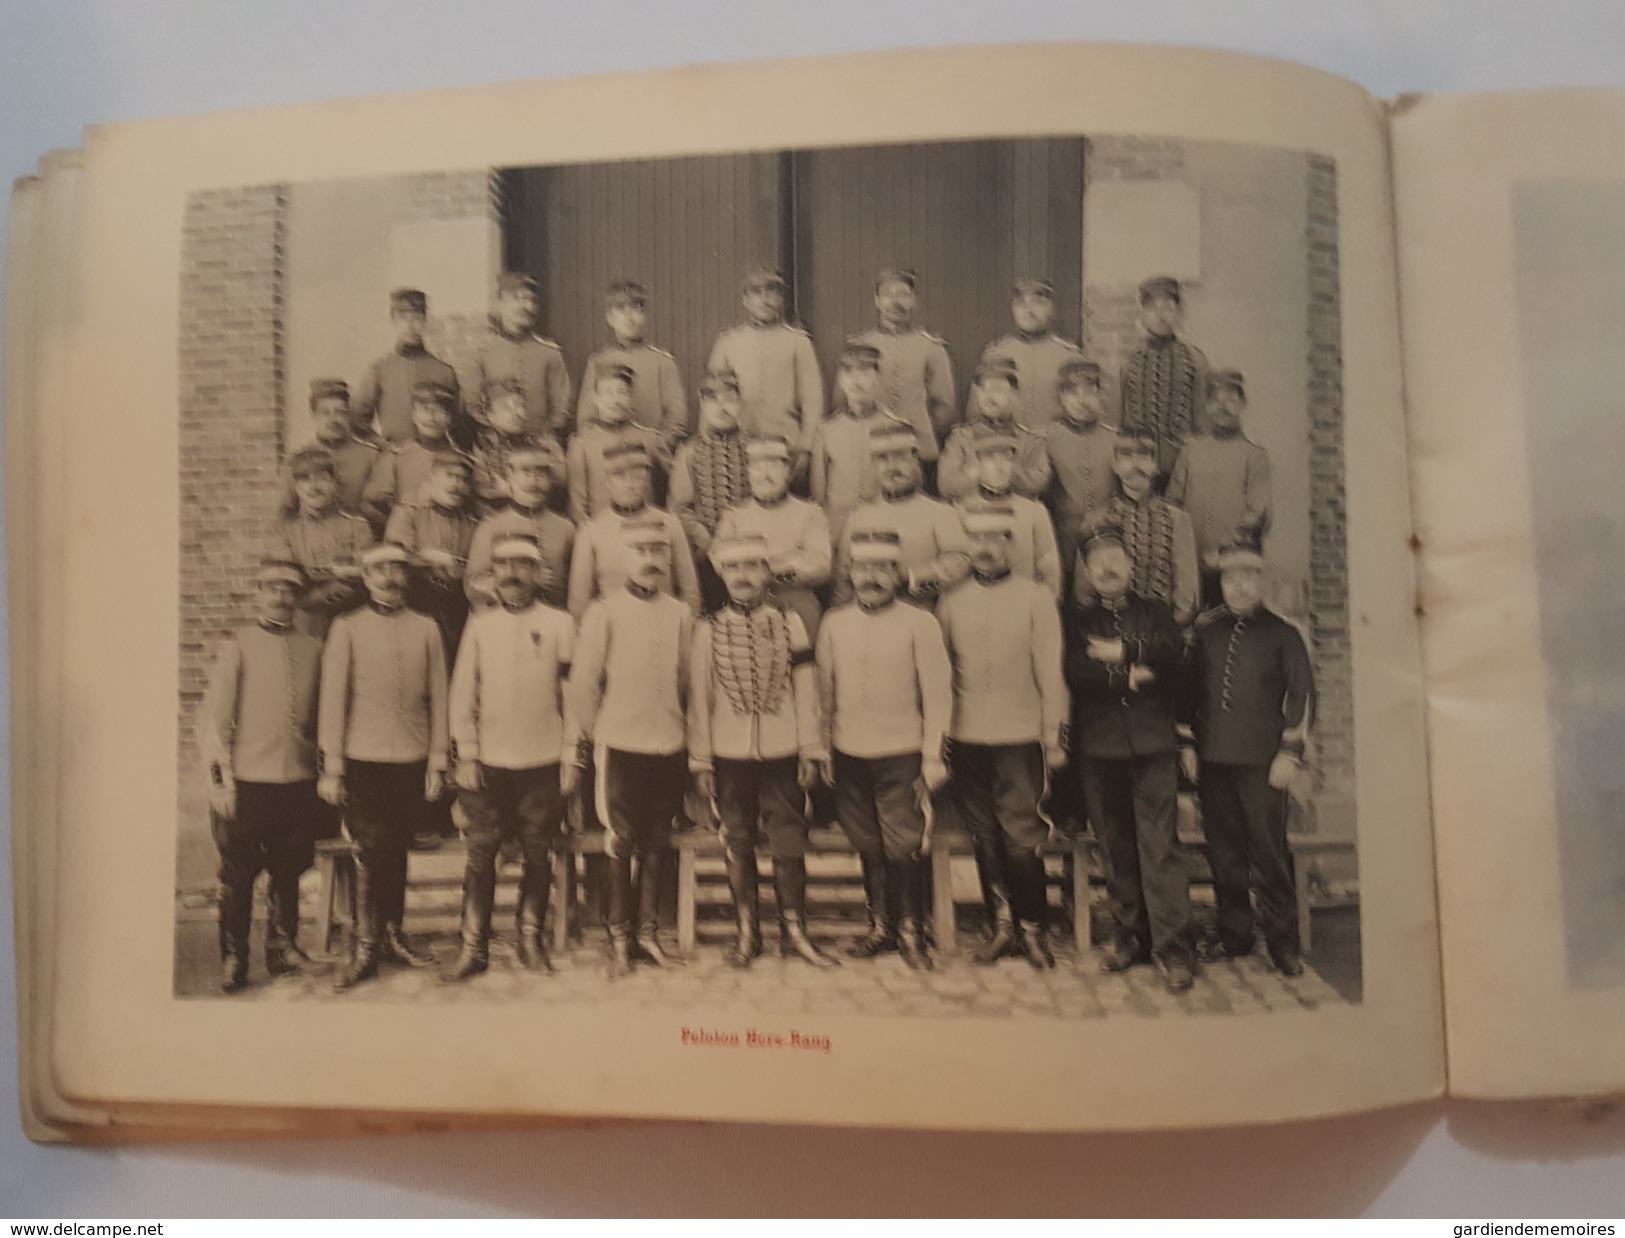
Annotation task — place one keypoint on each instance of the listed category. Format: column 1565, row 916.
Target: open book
column 1260, row 764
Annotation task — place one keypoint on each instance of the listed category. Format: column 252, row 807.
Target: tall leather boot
column 479, row 896
column 647, row 943
column 877, row 891
column 620, row 916
column 363, row 964
column 1029, row 893
column 909, row 876
column 744, row 881
column 283, row 956
column 236, row 918
column 394, row 945
column 535, row 884
column 1003, row 937
column 790, row 889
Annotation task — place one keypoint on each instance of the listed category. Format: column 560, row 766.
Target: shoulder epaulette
column 1067, row 344
column 933, row 337
column 795, row 329
column 542, row 339
column 655, row 348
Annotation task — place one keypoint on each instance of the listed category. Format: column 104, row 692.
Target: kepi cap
column 856, row 355
column 517, row 546
column 280, row 571
column 1031, row 286
column 1240, row 554
column 895, row 275
column 715, row 380
column 645, row 533
column 311, row 460
column 762, row 277
column 767, row 449
column 329, row 389
column 874, row 546
column 620, row 457
column 989, row 518
column 1160, row 286
column 385, row 552
column 404, row 299
column 998, row 367
column 746, row 548
column 433, row 391
column 1080, row 371
column 986, row 439
column 515, row 281
column 898, row 437
column 625, row 292
column 1227, row 378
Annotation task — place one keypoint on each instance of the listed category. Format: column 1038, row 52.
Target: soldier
column 534, row 470
column 599, row 565
column 1031, row 550
column 500, row 436
column 513, row 349
column 755, row 744
column 886, row 689
column 658, row 400
column 1162, row 546
column 628, row 691
column 1122, row 661
column 797, row 535
column 1164, row 380
column 403, row 468
column 508, row 735
column 1036, row 352
column 1254, row 698
column 1222, row 480
column 353, row 457
column 781, row 389
column 1009, row 729
column 709, row 476
column 439, row 531
column 997, row 392
column 935, row 556
column 916, row 377
column 258, row 736
column 388, row 388
column 842, row 464
column 324, row 541
column 1079, row 447
column 383, row 739
column 612, row 429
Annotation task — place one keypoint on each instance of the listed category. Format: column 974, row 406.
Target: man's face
column 516, row 578
column 769, row 479
column 409, row 324
column 875, row 584
column 719, row 410
column 746, row 581
column 1081, row 401
column 1136, row 467
column 516, row 310
column 332, row 420
column 318, row 490
column 506, row 413
column 1108, row 568
column 898, row 470
column 995, row 397
column 860, row 385
column 895, row 302
column 1161, row 315
column 990, row 552
column 386, row 582
column 530, row 481
column 996, row 469
column 764, row 304
column 1243, row 589
column 648, row 564
column 1224, row 408
column 627, row 320
column 1033, row 312
column 430, row 420
column 628, row 487
column 277, row 599
column 448, row 487
column 614, row 399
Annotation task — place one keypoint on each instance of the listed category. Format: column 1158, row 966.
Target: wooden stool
column 335, row 869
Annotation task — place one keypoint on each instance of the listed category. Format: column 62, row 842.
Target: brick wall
column 231, row 378
column 454, row 337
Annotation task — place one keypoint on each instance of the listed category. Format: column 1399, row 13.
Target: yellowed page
column 124, row 1037
column 1511, row 213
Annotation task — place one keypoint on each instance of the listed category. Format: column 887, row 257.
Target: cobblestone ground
column 1074, row 989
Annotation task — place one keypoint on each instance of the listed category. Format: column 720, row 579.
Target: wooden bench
column 335, row 871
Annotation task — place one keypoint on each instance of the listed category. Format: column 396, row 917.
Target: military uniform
column 1038, row 361
column 628, row 692
column 932, row 542
column 399, row 476
column 842, row 464
column 780, row 387
column 798, row 551
column 1081, row 479
column 1163, row 391
column 436, row 589
column 1223, row 483
column 490, row 454
column 586, row 469
column 554, row 535
column 326, row 547
column 598, row 564
column 1163, row 550
column 354, row 459
column 258, row 734
column 955, row 476
column 1253, row 698
column 385, row 390
column 707, row 478
column 1128, row 755
column 507, row 718
column 658, row 400
column 1033, row 552
column 537, row 365
column 1003, row 634
column 916, row 382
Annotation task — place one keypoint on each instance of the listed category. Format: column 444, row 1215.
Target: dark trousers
column 877, row 803
column 1133, row 805
column 761, row 797
column 522, row 804
column 638, row 795
column 384, row 809
column 275, row 832
column 996, row 789
column 1245, row 822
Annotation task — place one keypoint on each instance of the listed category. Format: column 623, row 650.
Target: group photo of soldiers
column 552, row 594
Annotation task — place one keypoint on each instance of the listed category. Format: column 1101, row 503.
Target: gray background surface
column 75, row 62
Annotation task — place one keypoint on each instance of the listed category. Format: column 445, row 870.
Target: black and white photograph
column 900, row 580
